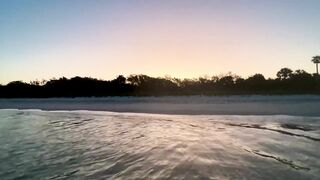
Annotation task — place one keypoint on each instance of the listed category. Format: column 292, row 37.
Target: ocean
column 198, row 137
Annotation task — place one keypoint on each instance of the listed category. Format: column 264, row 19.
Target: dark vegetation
column 287, row 82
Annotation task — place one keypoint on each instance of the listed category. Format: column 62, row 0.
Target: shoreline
column 192, row 105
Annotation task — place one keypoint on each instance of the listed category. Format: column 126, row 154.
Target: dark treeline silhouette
column 287, row 82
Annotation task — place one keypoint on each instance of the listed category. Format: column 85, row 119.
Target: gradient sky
column 42, row 39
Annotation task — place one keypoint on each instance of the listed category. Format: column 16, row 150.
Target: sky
column 43, row 39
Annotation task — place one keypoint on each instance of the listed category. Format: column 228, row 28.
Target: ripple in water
column 100, row 145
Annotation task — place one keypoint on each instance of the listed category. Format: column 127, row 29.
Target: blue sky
column 42, row 39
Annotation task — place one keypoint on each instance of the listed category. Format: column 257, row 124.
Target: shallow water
column 98, row 145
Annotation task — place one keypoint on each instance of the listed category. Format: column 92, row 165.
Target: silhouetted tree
column 120, row 80
column 284, row 73
column 316, row 60
column 300, row 75
column 256, row 78
column 226, row 82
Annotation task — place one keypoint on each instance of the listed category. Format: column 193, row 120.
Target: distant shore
column 288, row 82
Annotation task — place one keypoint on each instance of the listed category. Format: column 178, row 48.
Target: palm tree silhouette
column 316, row 60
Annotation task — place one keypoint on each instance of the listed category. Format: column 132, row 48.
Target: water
column 39, row 144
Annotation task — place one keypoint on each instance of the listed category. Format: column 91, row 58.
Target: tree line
column 287, row 82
